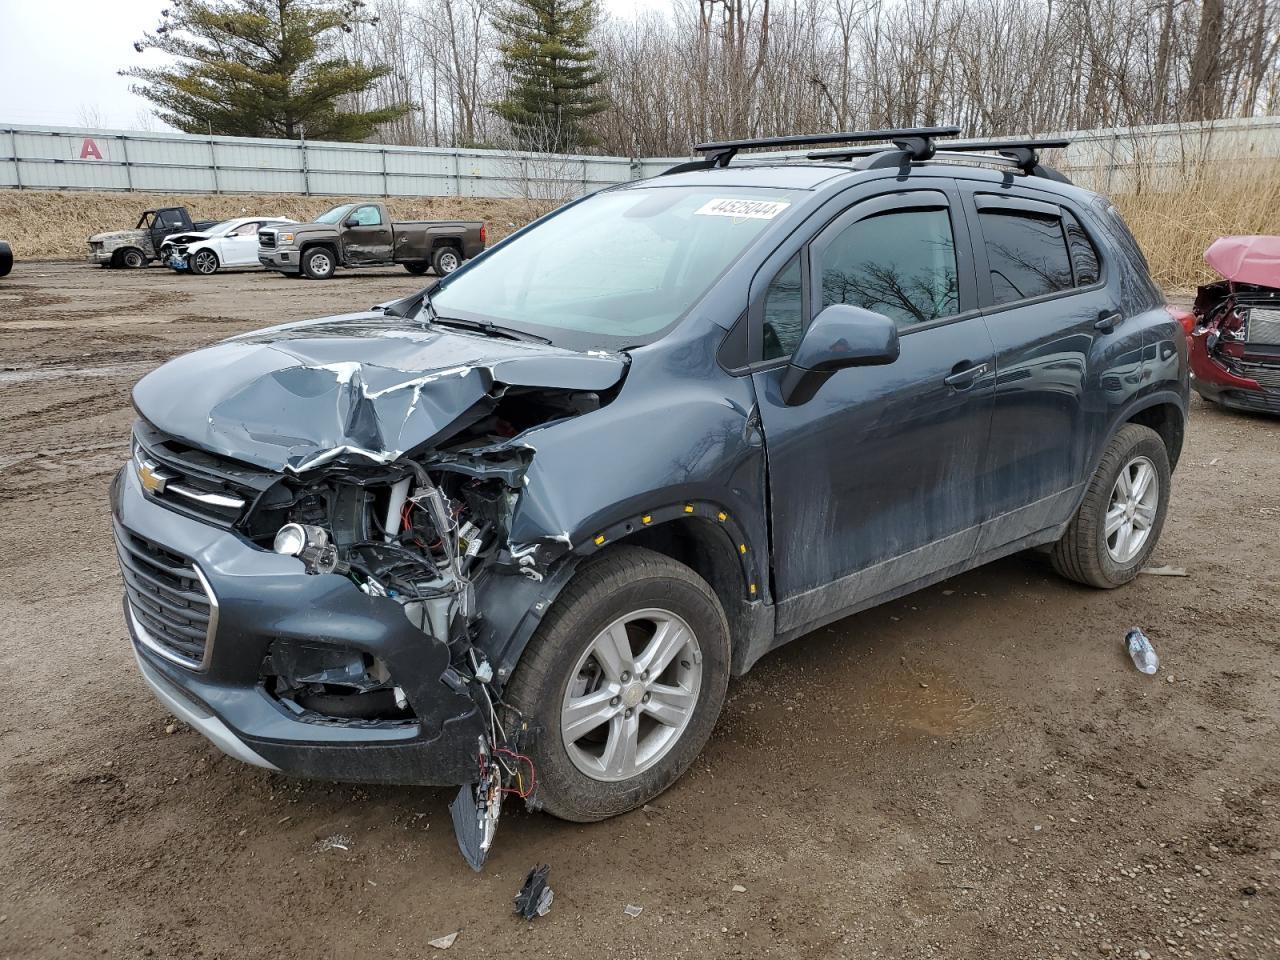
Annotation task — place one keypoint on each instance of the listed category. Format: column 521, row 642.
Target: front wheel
column 445, row 260
column 623, row 683
column 204, row 262
column 318, row 263
column 1116, row 529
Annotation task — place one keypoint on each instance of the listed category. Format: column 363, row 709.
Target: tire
column 1087, row 553
column 130, row 258
column 417, row 269
column 6, row 259
column 318, row 263
column 445, row 260
column 204, row 263
column 559, row 665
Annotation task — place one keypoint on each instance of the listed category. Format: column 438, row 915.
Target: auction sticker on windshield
column 742, row 209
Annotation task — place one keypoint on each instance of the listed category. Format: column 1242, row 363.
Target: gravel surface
column 975, row 770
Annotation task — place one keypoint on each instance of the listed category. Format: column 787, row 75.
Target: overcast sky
column 58, row 59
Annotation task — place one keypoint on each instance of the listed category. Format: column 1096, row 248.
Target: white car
column 230, row 244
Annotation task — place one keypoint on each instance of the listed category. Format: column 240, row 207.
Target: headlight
column 311, row 545
column 284, row 238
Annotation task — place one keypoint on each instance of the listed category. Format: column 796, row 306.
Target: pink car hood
column 1254, row 260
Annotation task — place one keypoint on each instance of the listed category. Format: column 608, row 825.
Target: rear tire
column 446, row 260
column 318, row 263
column 417, row 269
column 1116, row 529
column 662, row 615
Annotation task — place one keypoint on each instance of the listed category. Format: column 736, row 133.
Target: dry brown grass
column 1173, row 226
column 54, row 225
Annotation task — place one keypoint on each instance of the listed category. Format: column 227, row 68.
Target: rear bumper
column 283, row 261
column 262, row 597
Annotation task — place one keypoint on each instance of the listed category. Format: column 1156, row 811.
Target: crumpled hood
column 186, row 237
column 364, row 387
column 116, row 235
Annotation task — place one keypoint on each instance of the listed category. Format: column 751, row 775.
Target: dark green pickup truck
column 364, row 235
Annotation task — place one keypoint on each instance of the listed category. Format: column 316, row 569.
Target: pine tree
column 261, row 68
column 547, row 54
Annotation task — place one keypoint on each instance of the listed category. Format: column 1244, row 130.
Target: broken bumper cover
column 1255, row 388
column 285, row 261
column 261, row 597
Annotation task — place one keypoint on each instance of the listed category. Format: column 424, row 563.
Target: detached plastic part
column 534, row 898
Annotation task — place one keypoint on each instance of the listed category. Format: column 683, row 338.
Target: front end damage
column 329, row 543
column 1235, row 343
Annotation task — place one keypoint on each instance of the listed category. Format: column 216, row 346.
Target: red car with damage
column 1235, row 342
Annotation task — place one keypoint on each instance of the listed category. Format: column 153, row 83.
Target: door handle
column 963, row 379
column 1108, row 322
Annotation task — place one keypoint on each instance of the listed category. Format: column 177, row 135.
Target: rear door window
column 1026, row 254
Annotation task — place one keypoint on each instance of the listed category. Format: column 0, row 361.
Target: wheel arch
column 1167, row 418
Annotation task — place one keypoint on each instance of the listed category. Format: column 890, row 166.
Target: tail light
column 482, row 237
column 1184, row 317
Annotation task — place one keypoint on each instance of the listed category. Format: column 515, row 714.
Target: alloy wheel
column 631, row 695
column 1131, row 511
column 205, row 262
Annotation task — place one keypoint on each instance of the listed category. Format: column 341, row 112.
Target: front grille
column 1263, row 326
column 196, row 483
column 1268, row 377
column 266, row 238
column 168, row 599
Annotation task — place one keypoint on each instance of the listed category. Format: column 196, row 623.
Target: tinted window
column 367, row 216
column 1027, row 254
column 1084, row 258
column 900, row 264
column 782, row 312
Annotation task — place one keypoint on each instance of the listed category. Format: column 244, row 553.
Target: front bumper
column 261, row 597
column 283, row 260
column 100, row 255
column 1234, row 390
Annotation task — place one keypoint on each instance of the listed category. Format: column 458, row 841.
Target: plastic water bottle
column 1141, row 652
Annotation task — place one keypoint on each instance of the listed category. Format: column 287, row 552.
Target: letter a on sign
column 89, row 150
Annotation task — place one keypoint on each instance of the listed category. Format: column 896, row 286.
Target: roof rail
column 1024, row 154
column 916, row 142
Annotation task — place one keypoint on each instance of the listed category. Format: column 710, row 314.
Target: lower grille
column 1263, row 326
column 1268, row 377
column 168, row 599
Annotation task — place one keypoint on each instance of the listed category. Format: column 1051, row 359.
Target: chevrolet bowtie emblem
column 151, row 478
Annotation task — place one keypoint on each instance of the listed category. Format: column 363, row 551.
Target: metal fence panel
column 82, row 158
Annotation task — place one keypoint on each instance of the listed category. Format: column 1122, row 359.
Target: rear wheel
column 624, row 681
column 204, row 262
column 446, row 260
column 318, row 263
column 417, row 269
column 1116, row 529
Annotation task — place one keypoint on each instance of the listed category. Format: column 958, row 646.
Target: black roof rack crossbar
column 917, row 141
column 1023, row 154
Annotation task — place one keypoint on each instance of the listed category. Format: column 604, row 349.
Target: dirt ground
column 973, row 771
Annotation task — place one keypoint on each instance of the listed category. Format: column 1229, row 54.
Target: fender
column 514, row 605
column 1162, row 397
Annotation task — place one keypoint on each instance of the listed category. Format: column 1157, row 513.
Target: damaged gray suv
column 517, row 532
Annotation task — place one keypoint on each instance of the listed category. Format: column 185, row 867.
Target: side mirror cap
column 351, row 222
column 840, row 336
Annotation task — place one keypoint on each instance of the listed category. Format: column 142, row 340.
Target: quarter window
column 1027, row 254
column 901, row 264
column 783, row 318
column 1084, row 257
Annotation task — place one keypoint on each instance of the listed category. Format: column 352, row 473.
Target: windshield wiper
column 487, row 328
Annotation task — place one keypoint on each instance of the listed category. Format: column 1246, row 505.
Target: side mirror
column 840, row 336
column 351, row 222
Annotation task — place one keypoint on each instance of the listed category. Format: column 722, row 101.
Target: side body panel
column 364, row 245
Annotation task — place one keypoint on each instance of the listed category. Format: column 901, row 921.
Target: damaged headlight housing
column 308, row 543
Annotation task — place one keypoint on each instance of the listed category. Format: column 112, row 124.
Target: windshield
column 615, row 269
column 218, row 228
column 334, row 215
